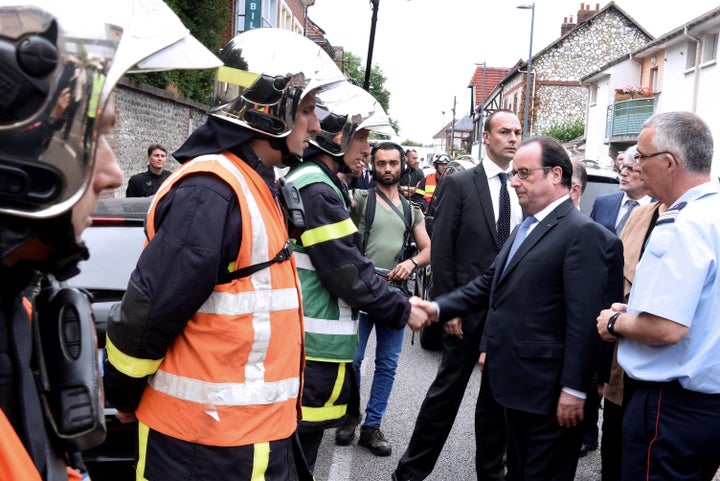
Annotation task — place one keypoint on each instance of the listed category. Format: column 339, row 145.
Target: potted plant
column 632, row 91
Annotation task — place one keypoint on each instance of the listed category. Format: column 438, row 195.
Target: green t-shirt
column 388, row 229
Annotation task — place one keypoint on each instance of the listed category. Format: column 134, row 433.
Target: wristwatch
column 412, row 259
column 611, row 324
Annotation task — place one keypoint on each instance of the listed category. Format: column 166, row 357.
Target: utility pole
column 452, row 129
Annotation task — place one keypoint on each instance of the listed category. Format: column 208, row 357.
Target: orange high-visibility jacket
column 233, row 376
column 430, row 186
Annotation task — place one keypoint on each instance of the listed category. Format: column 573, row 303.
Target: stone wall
column 148, row 115
column 558, row 95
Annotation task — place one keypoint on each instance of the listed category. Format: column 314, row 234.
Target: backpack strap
column 369, row 217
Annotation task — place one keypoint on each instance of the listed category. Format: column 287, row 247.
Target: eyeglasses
column 524, row 172
column 629, row 167
column 639, row 157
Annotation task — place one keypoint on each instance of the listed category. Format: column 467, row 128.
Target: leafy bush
column 567, row 131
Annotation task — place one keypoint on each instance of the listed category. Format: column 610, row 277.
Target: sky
column 428, row 49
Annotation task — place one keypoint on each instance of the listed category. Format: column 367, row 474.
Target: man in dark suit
column 539, row 346
column 613, row 210
column 465, row 242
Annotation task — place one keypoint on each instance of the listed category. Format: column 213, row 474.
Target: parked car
column 600, row 181
column 115, row 241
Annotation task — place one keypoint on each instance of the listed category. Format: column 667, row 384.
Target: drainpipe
column 698, row 57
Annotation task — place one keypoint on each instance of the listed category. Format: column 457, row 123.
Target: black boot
column 372, row 438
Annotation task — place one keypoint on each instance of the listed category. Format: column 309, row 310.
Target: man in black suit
column 465, row 242
column 539, row 346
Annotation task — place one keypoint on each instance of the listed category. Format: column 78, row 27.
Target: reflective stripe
column 324, row 413
column 302, row 261
column 143, row 432
column 236, row 76
column 330, row 410
column 225, row 394
column 328, row 232
column 346, row 327
column 261, row 461
column 343, row 325
column 128, row 365
column 240, row 303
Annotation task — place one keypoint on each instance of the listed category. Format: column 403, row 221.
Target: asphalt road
column 416, row 370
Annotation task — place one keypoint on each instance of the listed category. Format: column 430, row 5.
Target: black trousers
column 611, row 446
column 439, row 410
column 670, row 433
column 539, row 449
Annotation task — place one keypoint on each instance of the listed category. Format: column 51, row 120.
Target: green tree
column 566, row 131
column 205, row 19
column 352, row 66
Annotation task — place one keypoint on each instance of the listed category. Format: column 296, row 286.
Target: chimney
column 585, row 12
column 567, row 26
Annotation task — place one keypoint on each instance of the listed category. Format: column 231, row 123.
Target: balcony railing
column 625, row 118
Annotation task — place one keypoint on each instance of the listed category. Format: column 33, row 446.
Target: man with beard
column 387, row 221
column 412, row 175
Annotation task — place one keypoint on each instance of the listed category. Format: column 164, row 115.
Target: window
column 691, row 52
column 709, row 50
column 593, row 93
column 710, row 44
column 654, row 79
column 269, row 13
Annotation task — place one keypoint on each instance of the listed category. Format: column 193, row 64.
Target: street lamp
column 528, row 6
column 375, row 6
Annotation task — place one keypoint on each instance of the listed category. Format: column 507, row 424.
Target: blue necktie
column 631, row 204
column 520, row 237
column 503, row 223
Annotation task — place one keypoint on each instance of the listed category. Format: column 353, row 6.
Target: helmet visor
column 57, row 69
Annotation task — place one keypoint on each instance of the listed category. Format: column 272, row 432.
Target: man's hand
column 401, row 271
column 418, row 318
column 454, row 327
column 602, row 320
column 569, row 410
column 481, row 361
column 126, row 418
column 426, row 306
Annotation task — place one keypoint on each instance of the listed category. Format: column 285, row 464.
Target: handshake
column 422, row 313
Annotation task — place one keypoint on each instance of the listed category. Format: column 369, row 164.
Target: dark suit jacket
column 540, row 330
column 464, row 241
column 605, row 209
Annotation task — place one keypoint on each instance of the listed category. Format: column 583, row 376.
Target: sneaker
column 344, row 435
column 372, row 438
